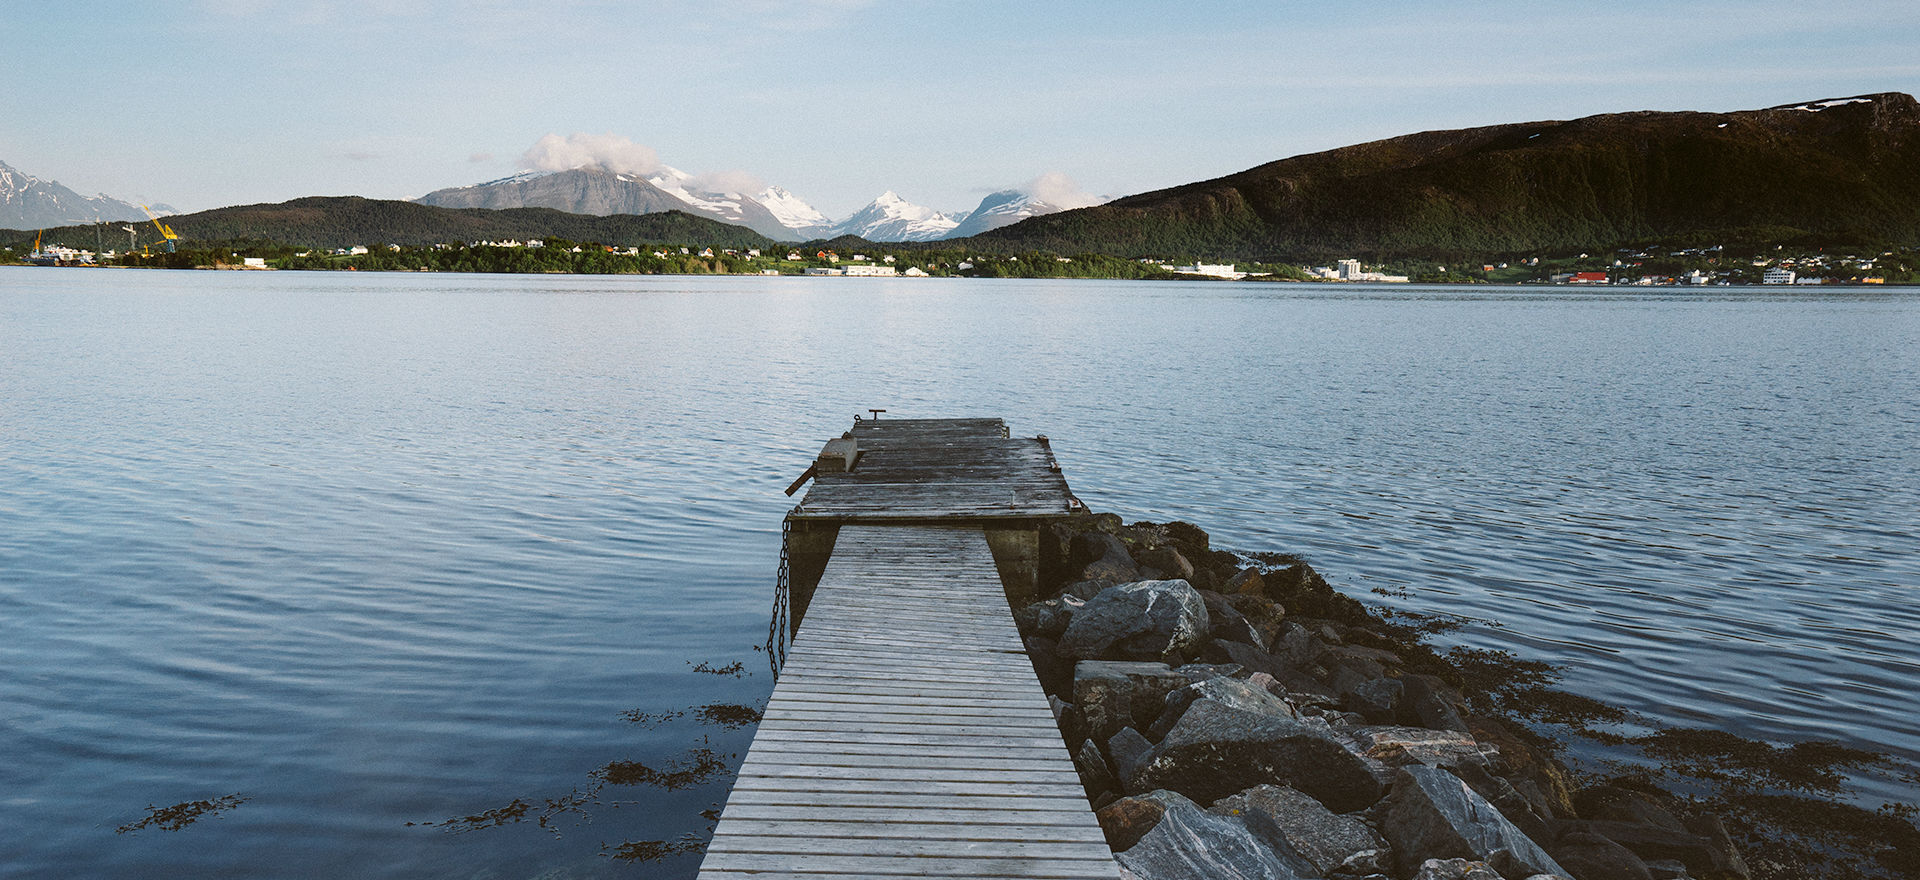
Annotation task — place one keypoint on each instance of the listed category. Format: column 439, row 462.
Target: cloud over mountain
column 609, row 151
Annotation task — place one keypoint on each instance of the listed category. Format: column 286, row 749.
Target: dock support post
column 1016, row 553
column 809, row 544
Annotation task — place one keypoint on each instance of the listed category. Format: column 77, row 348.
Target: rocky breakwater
column 1247, row 721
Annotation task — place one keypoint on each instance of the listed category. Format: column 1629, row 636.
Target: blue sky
column 203, row 103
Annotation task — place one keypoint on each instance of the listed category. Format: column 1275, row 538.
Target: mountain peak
column 892, row 218
column 29, row 202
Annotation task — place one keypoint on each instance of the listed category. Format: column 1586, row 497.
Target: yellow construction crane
column 166, row 231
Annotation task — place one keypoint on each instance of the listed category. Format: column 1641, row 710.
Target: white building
column 869, row 269
column 1777, row 275
column 1350, row 270
column 1211, row 270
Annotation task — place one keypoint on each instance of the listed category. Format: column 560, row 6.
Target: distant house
column 1588, row 278
column 869, row 269
column 1777, row 275
column 794, row 255
column 914, row 272
column 1210, row 270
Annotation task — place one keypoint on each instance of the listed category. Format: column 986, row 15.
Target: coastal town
column 1641, row 267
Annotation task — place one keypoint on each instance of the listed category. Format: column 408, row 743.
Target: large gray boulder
column 1290, row 821
column 1111, row 694
column 1238, row 693
column 1048, row 618
column 1143, row 620
column 1128, row 819
column 1397, row 746
column 1592, row 857
column 1125, row 750
column 1226, row 622
column 1431, row 814
column 1455, row 869
column 1216, row 751
column 1703, row 845
column 1104, row 558
column 1188, row 843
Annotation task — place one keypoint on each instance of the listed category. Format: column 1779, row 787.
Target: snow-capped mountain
column 579, row 191
column 1004, row 208
column 795, row 214
column 595, row 190
column 892, row 218
column 27, row 202
column 728, row 207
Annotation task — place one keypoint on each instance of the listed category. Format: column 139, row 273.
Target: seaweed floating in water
column 652, row 719
column 735, row 669
column 698, row 766
column 575, row 802
column 653, row 850
column 180, row 815
column 731, row 716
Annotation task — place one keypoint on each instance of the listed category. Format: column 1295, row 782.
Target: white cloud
column 741, row 182
column 1057, row 189
column 581, row 150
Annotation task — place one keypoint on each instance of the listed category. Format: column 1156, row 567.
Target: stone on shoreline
column 1703, row 846
column 1455, row 869
column 1226, row 691
column 1142, row 620
column 1430, row 814
column 1592, row 857
column 1111, row 694
column 1226, row 622
column 1128, row 819
column 1288, row 820
column 1125, row 750
column 1216, row 751
column 1189, row 843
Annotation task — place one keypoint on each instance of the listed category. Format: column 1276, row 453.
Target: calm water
column 368, row 550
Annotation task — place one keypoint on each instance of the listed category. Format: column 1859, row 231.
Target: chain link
column 778, row 626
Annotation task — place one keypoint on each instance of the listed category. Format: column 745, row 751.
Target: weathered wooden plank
column 828, row 735
column 1039, row 822
column 890, row 847
column 823, row 803
column 916, row 866
column 949, row 829
column 904, row 739
column 980, row 759
column 807, row 775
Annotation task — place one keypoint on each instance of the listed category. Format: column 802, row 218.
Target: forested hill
column 1845, row 171
column 344, row 221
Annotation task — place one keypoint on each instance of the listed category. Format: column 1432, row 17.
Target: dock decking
column 907, row 735
column 941, row 469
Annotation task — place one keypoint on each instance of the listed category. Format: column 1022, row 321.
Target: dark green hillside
column 344, row 221
column 1844, row 173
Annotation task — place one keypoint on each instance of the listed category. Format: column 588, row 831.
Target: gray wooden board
column 907, row 735
column 940, row 470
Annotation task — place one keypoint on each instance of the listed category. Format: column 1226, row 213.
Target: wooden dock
column 907, row 735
